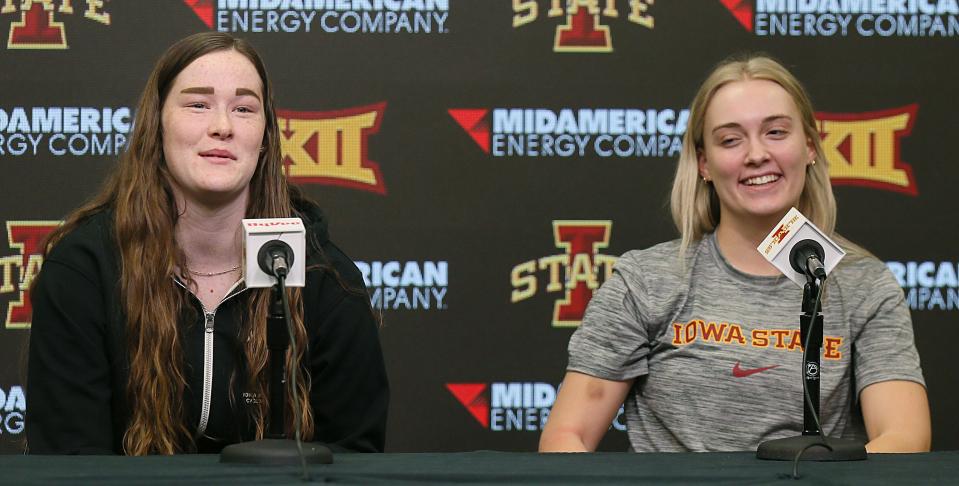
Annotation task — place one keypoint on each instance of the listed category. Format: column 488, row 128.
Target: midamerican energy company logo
column 572, row 132
column 576, row 272
column 829, row 18
column 37, row 25
column 14, row 410
column 17, row 271
column 328, row 16
column 863, row 148
column 584, row 27
column 513, row 406
column 63, row 130
column 411, row 285
column 928, row 285
column 331, row 147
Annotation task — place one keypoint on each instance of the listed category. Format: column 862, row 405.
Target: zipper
column 207, row 370
column 209, row 318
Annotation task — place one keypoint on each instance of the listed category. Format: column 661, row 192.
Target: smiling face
column 213, row 124
column 755, row 151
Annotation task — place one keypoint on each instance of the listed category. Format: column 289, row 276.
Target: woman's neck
column 738, row 241
column 208, row 234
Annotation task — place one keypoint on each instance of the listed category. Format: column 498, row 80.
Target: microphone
column 806, row 257
column 274, row 248
column 800, row 250
column 275, row 258
column 274, row 255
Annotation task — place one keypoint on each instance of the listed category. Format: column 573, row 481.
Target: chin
column 771, row 212
column 219, row 190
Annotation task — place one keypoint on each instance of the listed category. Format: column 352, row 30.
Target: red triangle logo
column 475, row 124
column 471, row 395
column 742, row 10
column 202, row 9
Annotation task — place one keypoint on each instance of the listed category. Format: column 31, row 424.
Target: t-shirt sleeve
column 885, row 347
column 612, row 342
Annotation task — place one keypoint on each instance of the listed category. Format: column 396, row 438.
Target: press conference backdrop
column 485, row 162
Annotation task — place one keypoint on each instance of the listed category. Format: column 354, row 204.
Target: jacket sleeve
column 69, row 380
column 350, row 390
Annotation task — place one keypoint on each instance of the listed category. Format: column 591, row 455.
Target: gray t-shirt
column 715, row 352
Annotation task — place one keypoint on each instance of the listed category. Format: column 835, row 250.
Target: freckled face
column 755, row 151
column 213, row 125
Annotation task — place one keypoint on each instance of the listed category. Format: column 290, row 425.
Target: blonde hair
column 694, row 204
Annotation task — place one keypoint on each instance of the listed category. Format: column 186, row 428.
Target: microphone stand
column 812, row 445
column 276, row 448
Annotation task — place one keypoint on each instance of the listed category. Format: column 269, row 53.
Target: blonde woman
column 698, row 335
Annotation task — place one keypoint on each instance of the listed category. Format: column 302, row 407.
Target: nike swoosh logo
column 741, row 373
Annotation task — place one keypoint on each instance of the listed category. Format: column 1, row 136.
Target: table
column 486, row 467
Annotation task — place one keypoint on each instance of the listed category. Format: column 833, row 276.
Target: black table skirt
column 486, row 467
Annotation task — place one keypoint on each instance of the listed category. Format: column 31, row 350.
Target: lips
column 218, row 154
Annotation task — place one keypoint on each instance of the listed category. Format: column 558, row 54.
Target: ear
column 811, row 150
column 703, row 168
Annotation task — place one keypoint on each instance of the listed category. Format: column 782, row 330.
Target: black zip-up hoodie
column 79, row 368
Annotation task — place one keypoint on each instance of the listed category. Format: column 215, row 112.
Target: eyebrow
column 208, row 90
column 247, row 92
column 198, row 90
column 766, row 120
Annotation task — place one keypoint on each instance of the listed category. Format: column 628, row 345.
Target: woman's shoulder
column 323, row 251
column 666, row 248
column 660, row 261
column 858, row 263
column 84, row 256
column 90, row 238
column 862, row 272
column 344, row 266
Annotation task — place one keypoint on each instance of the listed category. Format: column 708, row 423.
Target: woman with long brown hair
column 699, row 335
column 144, row 338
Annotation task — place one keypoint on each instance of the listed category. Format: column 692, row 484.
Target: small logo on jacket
column 741, row 373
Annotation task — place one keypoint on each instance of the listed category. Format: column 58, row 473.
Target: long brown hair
column 140, row 194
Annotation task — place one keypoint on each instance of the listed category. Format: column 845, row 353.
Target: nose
column 757, row 153
column 221, row 126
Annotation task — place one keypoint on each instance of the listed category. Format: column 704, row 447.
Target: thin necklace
column 214, row 274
